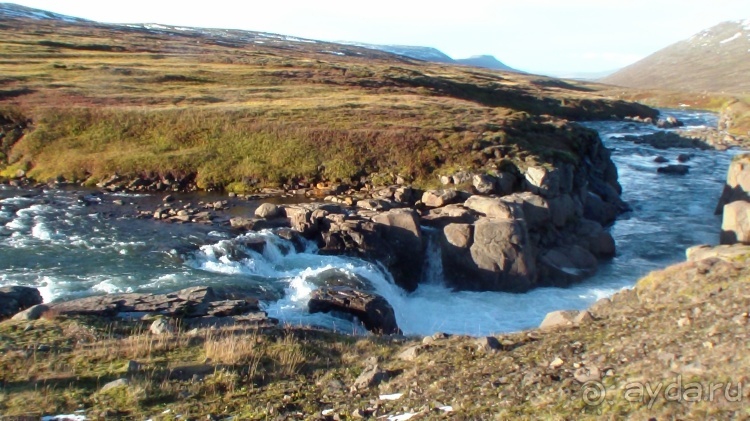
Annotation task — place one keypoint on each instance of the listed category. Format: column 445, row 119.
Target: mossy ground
column 684, row 325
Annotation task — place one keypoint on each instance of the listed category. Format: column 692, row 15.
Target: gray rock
column 31, row 313
column 536, row 209
column 562, row 266
column 439, row 198
column 371, row 309
column 411, row 353
column 189, row 302
column 403, row 248
column 677, row 169
column 459, row 235
column 484, row 184
column 499, row 259
column 737, row 186
column 488, row 344
column 735, row 225
column 115, row 384
column 14, row 299
column 493, row 207
column 559, row 318
column 268, row 210
column 161, row 326
column 370, row 378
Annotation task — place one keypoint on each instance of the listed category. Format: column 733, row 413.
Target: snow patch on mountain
column 738, row 35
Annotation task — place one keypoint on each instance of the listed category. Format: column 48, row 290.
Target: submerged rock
column 371, row 309
column 674, row 169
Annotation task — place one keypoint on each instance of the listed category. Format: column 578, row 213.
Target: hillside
column 239, row 110
column 716, row 60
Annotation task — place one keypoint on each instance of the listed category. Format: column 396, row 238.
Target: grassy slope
column 105, row 99
column 688, row 321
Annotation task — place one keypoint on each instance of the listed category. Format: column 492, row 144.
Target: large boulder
column 14, row 299
column 737, row 186
column 498, row 257
column 735, row 226
column 399, row 228
column 371, row 309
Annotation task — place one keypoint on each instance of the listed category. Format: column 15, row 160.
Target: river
column 68, row 248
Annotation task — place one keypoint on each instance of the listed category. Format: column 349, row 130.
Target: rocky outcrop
column 369, row 308
column 737, row 186
column 734, row 203
column 14, row 299
column 735, row 225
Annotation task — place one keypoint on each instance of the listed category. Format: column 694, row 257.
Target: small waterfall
column 432, row 267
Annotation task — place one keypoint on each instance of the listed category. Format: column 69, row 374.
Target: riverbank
column 683, row 324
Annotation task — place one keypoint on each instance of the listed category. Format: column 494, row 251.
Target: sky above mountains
column 555, row 37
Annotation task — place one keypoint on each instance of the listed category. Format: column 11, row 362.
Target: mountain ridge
column 715, row 60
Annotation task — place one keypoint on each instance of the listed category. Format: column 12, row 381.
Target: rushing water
column 67, row 248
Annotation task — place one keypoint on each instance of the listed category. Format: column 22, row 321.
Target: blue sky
column 559, row 37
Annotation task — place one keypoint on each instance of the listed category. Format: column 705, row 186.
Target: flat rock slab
column 189, row 302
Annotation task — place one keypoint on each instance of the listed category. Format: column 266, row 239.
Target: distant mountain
column 714, row 60
column 18, row 11
column 411, row 51
column 486, row 61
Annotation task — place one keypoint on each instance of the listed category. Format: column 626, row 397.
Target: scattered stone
column 161, row 326
column 115, row 384
column 556, row 363
column 488, row 344
column 369, row 378
column 559, row 318
column 587, row 373
column 411, row 353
